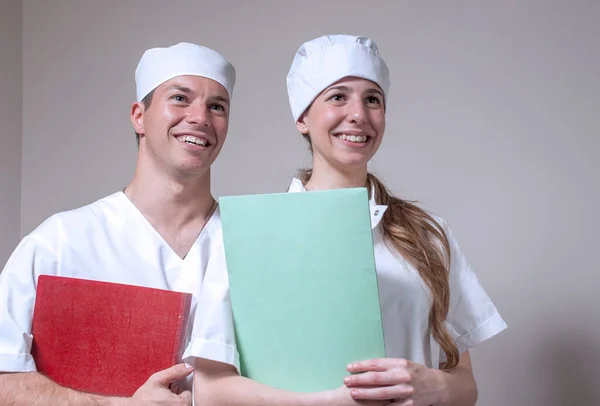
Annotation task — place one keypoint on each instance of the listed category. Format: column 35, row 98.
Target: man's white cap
column 323, row 61
column 158, row 65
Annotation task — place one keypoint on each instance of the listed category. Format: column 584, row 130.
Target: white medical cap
column 323, row 61
column 158, row 65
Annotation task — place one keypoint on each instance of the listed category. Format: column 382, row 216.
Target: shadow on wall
column 556, row 368
column 562, row 364
column 565, row 366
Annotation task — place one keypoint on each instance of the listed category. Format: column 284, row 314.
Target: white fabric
column 213, row 336
column 404, row 298
column 324, row 60
column 158, row 65
column 108, row 240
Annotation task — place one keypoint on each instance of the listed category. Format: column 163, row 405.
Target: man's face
column 185, row 126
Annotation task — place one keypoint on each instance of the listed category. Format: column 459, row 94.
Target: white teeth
column 352, row 138
column 190, row 139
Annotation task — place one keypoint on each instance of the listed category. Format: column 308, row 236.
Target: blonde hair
column 415, row 235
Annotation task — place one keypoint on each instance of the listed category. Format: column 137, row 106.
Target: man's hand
column 156, row 392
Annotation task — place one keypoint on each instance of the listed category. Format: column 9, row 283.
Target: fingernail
column 346, row 380
column 188, row 366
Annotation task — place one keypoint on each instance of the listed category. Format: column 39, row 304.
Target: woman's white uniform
column 405, row 303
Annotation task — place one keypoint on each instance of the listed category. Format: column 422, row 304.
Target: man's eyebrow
column 180, row 88
column 221, row 99
column 375, row 90
column 184, row 89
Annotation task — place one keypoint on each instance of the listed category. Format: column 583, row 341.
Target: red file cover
column 106, row 338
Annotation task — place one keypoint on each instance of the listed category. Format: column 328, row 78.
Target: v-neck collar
column 192, row 253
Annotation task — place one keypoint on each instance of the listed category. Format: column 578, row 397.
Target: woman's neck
column 325, row 177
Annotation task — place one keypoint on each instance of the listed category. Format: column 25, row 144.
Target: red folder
column 106, row 338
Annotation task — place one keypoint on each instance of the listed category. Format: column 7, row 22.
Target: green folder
column 303, row 286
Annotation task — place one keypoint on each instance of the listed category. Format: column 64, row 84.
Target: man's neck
column 171, row 203
column 325, row 176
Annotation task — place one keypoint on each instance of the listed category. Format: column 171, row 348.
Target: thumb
column 174, row 373
column 186, row 397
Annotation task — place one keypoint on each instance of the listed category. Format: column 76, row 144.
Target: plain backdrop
column 492, row 123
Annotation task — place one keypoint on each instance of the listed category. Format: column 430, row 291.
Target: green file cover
column 303, row 285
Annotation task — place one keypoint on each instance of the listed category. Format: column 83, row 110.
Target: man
column 158, row 232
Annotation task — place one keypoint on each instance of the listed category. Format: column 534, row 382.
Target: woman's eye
column 373, row 100
column 218, row 107
column 337, row 97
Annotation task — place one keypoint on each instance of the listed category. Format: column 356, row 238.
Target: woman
column 433, row 306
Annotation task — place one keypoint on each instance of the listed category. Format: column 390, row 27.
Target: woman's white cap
column 323, row 61
column 158, row 65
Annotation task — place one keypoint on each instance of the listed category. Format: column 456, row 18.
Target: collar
column 377, row 210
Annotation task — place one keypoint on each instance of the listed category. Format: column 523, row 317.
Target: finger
column 174, row 373
column 175, row 387
column 377, row 364
column 391, row 377
column 186, row 397
column 396, row 392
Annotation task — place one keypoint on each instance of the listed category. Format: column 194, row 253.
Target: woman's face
column 345, row 122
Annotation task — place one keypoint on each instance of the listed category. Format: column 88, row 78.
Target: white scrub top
column 404, row 298
column 108, row 240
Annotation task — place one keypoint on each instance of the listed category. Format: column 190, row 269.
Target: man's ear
column 301, row 124
column 137, row 117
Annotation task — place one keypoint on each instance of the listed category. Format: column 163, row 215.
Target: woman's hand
column 402, row 382
column 341, row 397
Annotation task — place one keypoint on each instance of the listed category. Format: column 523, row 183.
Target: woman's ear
column 301, row 124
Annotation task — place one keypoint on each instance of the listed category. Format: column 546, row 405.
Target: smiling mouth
column 192, row 140
column 358, row 139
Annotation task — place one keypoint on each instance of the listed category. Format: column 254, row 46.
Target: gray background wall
column 492, row 123
column 11, row 103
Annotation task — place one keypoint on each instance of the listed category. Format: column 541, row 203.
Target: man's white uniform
column 108, row 240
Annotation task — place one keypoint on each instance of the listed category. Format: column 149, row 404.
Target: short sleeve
column 18, row 283
column 472, row 317
column 213, row 334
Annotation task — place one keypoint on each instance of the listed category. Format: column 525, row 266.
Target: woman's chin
column 353, row 162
